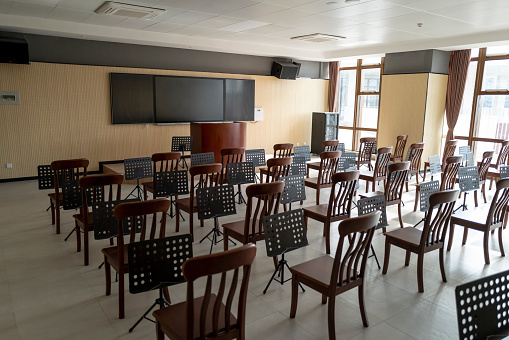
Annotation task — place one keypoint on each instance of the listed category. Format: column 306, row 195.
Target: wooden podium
column 212, row 137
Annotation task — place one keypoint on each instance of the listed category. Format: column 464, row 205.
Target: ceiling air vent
column 126, row 10
column 319, row 37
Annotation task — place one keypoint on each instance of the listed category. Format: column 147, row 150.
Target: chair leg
column 465, row 235
column 324, row 299
column 318, row 196
column 500, row 244
column 295, row 296
column 424, row 177
column 191, row 224
column 78, row 237
column 406, row 184
column 386, row 256
column 107, row 272
column 330, row 318
column 407, row 258
column 121, row 297
column 327, row 237
column 485, row 246
column 306, row 223
column 57, row 213
column 159, row 331
column 225, row 239
column 420, row 269
column 442, row 264
column 399, row 215
column 367, row 186
column 177, row 222
column 52, row 206
column 85, row 244
column 475, row 198
column 362, row 306
column 491, row 182
column 166, row 294
column 417, row 189
column 373, row 186
column 484, row 192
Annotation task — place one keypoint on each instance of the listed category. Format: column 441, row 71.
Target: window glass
column 368, row 111
column 497, row 50
column 346, row 97
column 492, row 117
column 481, row 147
column 348, row 63
column 345, row 136
column 370, row 80
column 362, row 134
column 474, row 53
column 462, row 127
column 372, row 61
column 496, row 75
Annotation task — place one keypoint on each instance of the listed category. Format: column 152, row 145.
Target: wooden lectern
column 212, row 137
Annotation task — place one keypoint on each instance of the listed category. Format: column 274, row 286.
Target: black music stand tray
column 468, row 178
column 137, row 168
column 284, row 232
column 46, row 178
column 368, row 205
column 425, row 191
column 504, row 171
column 435, row 167
column 182, row 144
column 240, row 173
column 203, row 158
column 170, row 184
column 215, row 202
column 346, row 161
column 257, row 157
column 294, row 190
column 302, row 151
column 298, row 166
column 156, row 264
column 481, row 307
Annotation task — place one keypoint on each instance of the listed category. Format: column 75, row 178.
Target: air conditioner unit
column 130, row 11
column 318, row 37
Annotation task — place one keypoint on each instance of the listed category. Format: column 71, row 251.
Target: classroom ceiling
column 265, row 28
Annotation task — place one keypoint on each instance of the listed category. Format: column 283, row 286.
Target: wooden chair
column 484, row 167
column 250, row 229
column 167, row 161
column 229, row 155
column 280, row 150
column 494, row 172
column 380, row 170
column 70, row 170
column 416, row 150
column 365, row 151
column 202, row 176
column 328, row 145
column 207, row 316
column 474, row 219
column 399, row 150
column 339, row 206
column 328, row 166
column 333, row 276
column 432, row 236
column 393, row 192
column 116, row 256
column 95, row 184
column 449, row 149
column 277, row 167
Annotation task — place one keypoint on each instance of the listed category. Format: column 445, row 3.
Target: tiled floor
column 47, row 293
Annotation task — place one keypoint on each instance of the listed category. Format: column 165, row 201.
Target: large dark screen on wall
column 132, row 98
column 239, row 99
column 188, row 99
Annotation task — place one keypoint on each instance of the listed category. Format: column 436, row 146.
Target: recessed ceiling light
column 420, row 24
column 318, row 37
column 352, row 1
column 244, row 25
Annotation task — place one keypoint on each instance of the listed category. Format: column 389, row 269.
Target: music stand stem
column 136, row 188
column 241, row 197
column 464, row 205
column 161, row 301
column 215, row 232
column 280, row 270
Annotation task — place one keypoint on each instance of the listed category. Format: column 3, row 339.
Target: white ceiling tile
column 189, row 30
column 183, row 4
column 431, row 5
column 103, row 19
column 41, row 2
column 189, row 18
column 215, row 34
column 243, row 26
column 30, row 10
column 5, row 6
column 170, row 13
column 255, row 11
column 219, row 21
column 134, row 24
column 220, row 7
column 382, row 14
column 81, row 5
column 162, row 27
column 360, row 8
column 282, row 16
column 266, row 29
column 322, row 6
column 66, row 14
column 288, row 3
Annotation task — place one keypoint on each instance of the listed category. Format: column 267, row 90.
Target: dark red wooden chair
column 328, row 167
column 399, row 149
column 167, row 161
column 379, row 171
column 280, row 150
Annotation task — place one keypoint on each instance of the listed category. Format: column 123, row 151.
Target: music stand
column 298, row 166
column 284, row 232
column 257, row 157
column 46, row 178
column 463, row 150
column 302, row 151
column 504, row 171
column 170, row 184
column 215, row 202
column 182, row 144
column 425, row 191
column 481, row 307
column 468, row 177
column 341, row 147
column 240, row 173
column 136, row 169
column 469, row 157
column 202, row 158
column 294, row 190
column 156, row 264
column 435, row 167
column 346, row 161
column 368, row 205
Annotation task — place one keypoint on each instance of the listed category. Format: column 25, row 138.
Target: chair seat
column 148, row 186
column 371, row 194
column 365, row 173
column 470, row 218
column 315, row 211
column 494, row 172
column 111, row 254
column 313, row 183
column 170, row 318
column 318, row 270
column 53, row 197
column 185, row 204
column 314, row 165
column 236, row 230
column 79, row 220
column 408, row 235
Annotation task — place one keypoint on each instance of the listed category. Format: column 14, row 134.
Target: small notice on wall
column 9, row 98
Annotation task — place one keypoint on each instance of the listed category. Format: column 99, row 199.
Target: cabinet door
column 331, row 126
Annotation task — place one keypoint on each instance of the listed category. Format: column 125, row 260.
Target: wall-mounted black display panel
column 239, row 100
column 132, row 98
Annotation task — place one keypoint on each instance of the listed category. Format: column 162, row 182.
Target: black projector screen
column 188, row 99
column 132, row 98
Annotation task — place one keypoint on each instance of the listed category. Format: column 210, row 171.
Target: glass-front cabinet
column 324, row 127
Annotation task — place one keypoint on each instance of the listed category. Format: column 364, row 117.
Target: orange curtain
column 333, row 85
column 458, row 69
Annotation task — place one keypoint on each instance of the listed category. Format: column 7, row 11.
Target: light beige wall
column 65, row 113
column 434, row 119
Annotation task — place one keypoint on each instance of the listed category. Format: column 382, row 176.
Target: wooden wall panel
column 65, row 113
column 435, row 110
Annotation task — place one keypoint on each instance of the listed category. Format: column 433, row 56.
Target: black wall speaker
column 13, row 50
column 283, row 70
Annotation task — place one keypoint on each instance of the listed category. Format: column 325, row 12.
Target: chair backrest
column 93, row 186
column 365, row 148
column 330, row 145
column 268, row 197
column 136, row 210
column 211, row 313
column 350, row 263
column 396, row 177
column 69, row 169
column 278, row 167
column 498, row 204
column 204, row 176
column 383, row 157
column 166, row 161
column 441, row 207
column 487, row 156
column 230, row 155
column 416, row 150
column 502, row 155
column 328, row 166
column 341, row 194
column 283, row 150
column 400, row 146
column 449, row 149
column 452, row 164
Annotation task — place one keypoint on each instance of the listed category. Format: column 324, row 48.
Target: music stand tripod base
column 280, row 271
column 161, row 301
column 215, row 232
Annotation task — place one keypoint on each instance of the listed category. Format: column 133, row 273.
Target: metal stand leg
column 280, row 270
column 72, row 231
column 138, row 189
column 171, row 214
column 215, row 233
column 241, row 197
column 423, row 219
column 376, row 257
column 464, row 205
column 161, row 301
